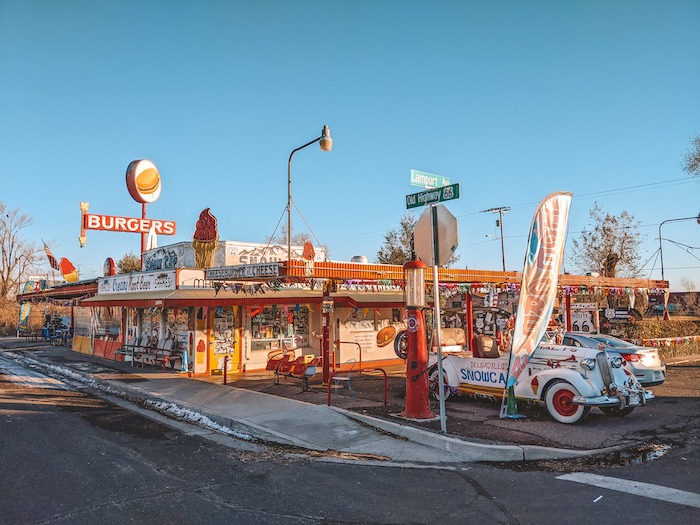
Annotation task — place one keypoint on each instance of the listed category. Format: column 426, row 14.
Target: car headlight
column 616, row 362
column 588, row 363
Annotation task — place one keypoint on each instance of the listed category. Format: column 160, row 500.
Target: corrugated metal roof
column 127, row 299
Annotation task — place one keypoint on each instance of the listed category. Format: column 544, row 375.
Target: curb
column 475, row 451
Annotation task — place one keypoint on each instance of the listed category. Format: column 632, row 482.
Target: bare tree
column 609, row 245
column 17, row 255
column 691, row 160
column 298, row 239
column 688, row 284
column 690, row 299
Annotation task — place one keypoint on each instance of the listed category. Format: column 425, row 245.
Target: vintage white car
column 569, row 380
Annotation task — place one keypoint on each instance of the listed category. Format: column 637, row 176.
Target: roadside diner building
column 250, row 305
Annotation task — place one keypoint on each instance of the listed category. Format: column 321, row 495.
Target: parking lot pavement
column 477, row 419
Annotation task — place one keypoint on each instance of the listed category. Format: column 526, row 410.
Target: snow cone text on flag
column 538, row 291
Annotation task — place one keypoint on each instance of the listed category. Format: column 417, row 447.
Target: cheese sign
column 127, row 224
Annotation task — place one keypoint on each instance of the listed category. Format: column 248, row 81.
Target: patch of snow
column 166, row 408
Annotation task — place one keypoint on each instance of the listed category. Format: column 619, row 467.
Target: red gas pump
column 417, row 390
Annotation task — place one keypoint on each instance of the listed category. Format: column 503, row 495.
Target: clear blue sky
column 513, row 100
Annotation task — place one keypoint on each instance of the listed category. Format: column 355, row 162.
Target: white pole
column 436, row 318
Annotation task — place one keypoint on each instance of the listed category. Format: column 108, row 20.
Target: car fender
column 450, row 368
column 537, row 384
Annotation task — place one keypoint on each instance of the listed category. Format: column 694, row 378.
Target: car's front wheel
column 559, row 401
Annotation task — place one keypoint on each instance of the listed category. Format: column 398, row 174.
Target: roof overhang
column 183, row 298
column 62, row 292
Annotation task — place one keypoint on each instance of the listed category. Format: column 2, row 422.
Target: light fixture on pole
column 326, row 143
column 499, row 222
column 661, row 252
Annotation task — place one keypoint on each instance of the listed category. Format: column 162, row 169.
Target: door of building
column 226, row 334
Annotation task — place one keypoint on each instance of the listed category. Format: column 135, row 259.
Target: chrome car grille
column 605, row 368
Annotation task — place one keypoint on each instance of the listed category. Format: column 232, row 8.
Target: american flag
column 52, row 259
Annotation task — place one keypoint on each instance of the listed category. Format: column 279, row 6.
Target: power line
column 625, row 189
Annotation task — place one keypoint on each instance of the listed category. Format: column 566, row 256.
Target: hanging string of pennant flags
column 388, row 285
column 671, row 341
column 608, row 290
column 61, row 302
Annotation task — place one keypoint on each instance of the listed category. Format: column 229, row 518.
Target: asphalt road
column 67, row 456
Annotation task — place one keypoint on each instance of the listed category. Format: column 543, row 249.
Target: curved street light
column 326, row 143
column 661, row 254
column 661, row 250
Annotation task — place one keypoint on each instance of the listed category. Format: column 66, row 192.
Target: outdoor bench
column 30, row 335
column 284, row 363
column 125, row 350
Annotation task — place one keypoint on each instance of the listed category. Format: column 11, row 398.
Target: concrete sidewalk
column 273, row 418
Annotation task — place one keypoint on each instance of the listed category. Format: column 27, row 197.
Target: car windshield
column 611, row 341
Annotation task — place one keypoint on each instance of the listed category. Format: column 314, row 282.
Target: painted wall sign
column 137, row 282
column 243, row 271
column 485, row 372
column 584, row 306
column 227, row 253
column 127, row 224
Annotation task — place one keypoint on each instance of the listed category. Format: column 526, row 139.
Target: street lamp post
column 661, row 253
column 326, row 144
column 661, row 250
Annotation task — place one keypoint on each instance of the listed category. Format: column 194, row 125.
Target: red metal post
column 469, row 320
column 417, row 401
column 326, row 344
column 567, row 303
column 143, row 235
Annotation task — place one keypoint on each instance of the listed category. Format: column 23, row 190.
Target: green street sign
column 428, row 180
column 446, row 193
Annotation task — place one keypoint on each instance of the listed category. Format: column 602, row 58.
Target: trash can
column 45, row 333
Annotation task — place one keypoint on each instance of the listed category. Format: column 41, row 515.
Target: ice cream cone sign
column 309, row 253
column 205, row 239
column 70, row 274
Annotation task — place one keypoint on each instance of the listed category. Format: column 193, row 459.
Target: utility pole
column 501, row 210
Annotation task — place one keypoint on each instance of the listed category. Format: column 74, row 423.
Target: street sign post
column 446, row 193
column 438, row 222
column 428, row 180
column 436, row 236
